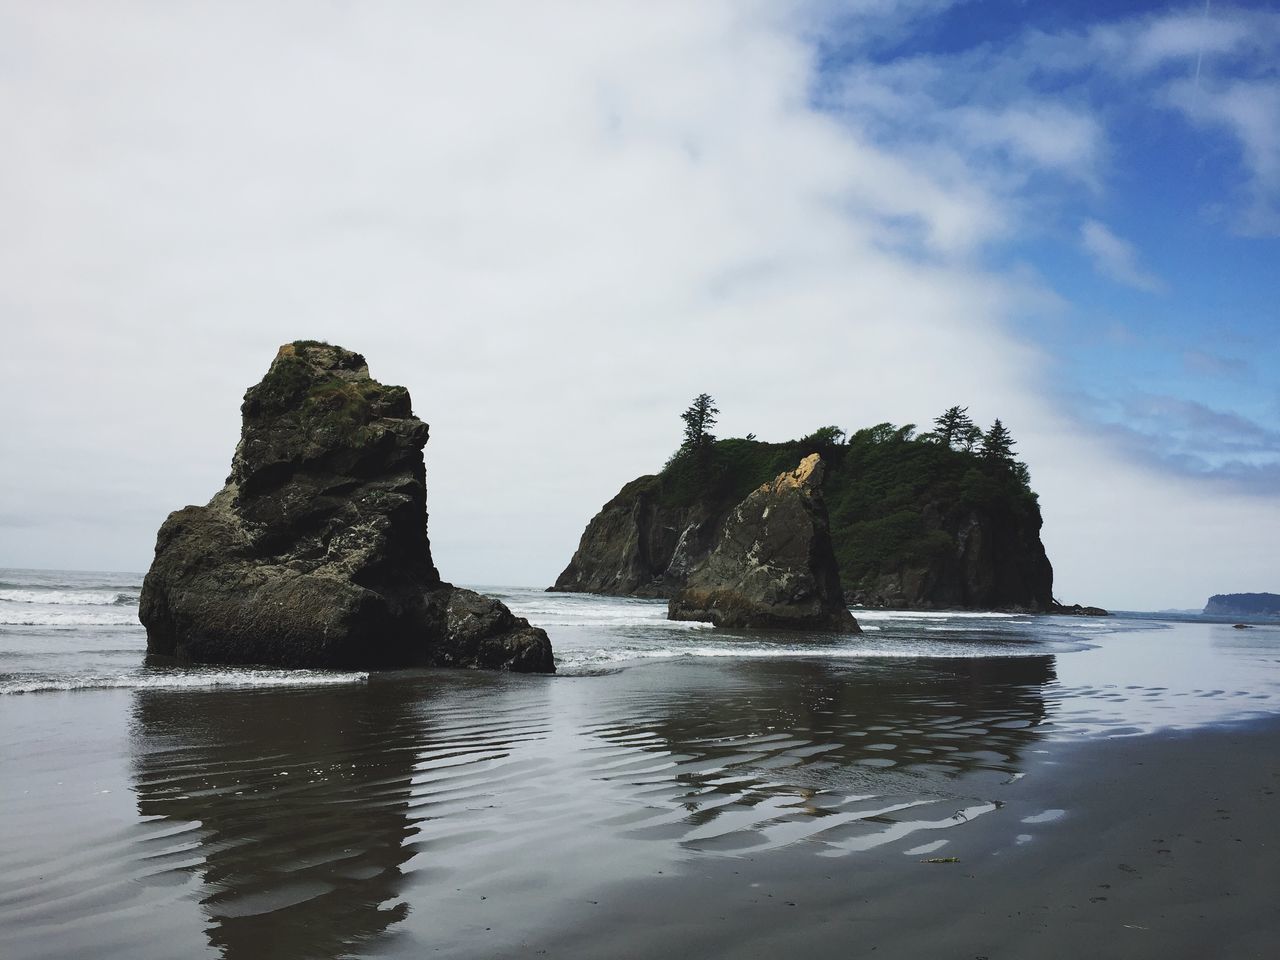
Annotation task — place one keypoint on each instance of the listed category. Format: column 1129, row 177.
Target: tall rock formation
column 773, row 565
column 315, row 552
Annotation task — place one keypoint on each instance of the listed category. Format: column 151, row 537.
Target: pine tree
column 953, row 425
column 698, row 421
column 998, row 443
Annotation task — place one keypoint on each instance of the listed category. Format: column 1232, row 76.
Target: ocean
column 160, row 811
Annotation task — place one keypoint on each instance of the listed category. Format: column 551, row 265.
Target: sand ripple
column 311, row 818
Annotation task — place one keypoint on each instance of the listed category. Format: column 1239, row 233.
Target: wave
column 115, row 616
column 613, row 623
column 573, row 659
column 862, row 613
column 185, row 680
column 79, row 598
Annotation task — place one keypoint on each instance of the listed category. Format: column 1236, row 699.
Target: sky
column 556, row 223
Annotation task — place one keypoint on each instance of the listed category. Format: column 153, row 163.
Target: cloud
column 1185, row 37
column 1049, row 100
column 1213, row 365
column 1116, row 258
column 1219, row 71
column 1249, row 110
column 554, row 223
column 930, row 110
column 553, row 236
column 1194, row 440
column 1047, row 135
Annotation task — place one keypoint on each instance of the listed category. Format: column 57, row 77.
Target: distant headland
column 1243, row 605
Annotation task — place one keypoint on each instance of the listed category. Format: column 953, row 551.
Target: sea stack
column 773, row 564
column 315, row 552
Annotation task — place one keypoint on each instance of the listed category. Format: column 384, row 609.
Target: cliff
column 1243, row 605
column 315, row 552
column 773, row 564
column 914, row 524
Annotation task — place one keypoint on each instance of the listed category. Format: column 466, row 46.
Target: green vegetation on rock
column 325, row 390
column 886, row 490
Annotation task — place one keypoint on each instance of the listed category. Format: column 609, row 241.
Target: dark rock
column 1076, row 610
column 315, row 552
column 638, row 546
column 993, row 559
column 773, row 564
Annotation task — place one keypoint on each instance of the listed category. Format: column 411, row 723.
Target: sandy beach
column 671, row 792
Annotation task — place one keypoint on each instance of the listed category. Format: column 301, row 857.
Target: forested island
column 1243, row 605
column 939, row 519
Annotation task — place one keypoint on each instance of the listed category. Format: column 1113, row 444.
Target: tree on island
column 824, row 438
column 955, row 426
column 698, row 421
column 997, row 443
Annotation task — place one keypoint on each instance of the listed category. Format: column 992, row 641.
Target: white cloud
column 1048, row 135
column 555, row 223
column 1226, row 79
column 1184, row 37
column 1116, row 258
column 1249, row 110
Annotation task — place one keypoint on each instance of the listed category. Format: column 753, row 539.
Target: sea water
column 248, row 812
column 76, row 631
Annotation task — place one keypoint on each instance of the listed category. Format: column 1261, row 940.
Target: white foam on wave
column 182, row 680
column 563, row 621
column 576, row 611
column 79, row 598
column 30, row 616
column 570, row 659
column 932, row 615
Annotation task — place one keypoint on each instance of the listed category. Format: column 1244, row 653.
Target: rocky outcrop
column 639, row 546
column 1243, row 605
column 315, row 552
column 772, row 565
column 1076, row 610
column 989, row 557
column 915, row 528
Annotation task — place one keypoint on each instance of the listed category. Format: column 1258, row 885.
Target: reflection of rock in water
column 833, row 753
column 302, row 796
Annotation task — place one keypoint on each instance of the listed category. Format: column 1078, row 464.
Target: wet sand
column 677, row 808
column 1167, row 846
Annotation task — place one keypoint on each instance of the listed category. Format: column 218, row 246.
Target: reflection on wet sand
column 842, row 756
column 300, row 799
column 318, row 819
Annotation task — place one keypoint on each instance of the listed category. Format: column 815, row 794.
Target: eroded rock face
column 637, row 546
column 773, row 564
column 315, row 553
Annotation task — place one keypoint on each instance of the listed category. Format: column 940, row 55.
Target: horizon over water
column 242, row 812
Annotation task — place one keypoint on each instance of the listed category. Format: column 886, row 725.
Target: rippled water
column 244, row 813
